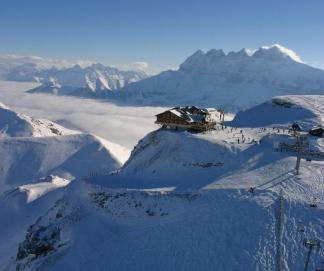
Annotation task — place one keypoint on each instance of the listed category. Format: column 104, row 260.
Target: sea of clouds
column 124, row 125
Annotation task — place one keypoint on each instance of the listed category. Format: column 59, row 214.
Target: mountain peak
column 192, row 60
column 215, row 53
column 277, row 51
column 242, row 53
column 199, row 52
column 216, row 59
column 200, row 59
column 102, row 84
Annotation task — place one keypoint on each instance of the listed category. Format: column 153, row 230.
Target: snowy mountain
column 33, row 148
column 39, row 159
column 13, row 124
column 94, row 77
column 62, row 77
column 184, row 202
column 233, row 81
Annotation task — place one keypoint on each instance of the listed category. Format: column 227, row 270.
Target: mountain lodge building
column 186, row 118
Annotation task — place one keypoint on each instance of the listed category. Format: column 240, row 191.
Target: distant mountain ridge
column 234, row 81
column 66, row 75
column 96, row 80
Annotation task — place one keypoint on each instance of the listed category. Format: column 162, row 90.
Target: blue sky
column 162, row 33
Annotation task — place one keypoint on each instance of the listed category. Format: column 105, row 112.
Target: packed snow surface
column 36, row 190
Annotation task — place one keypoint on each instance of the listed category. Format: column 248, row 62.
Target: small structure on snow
column 296, row 127
column 317, row 131
column 186, row 118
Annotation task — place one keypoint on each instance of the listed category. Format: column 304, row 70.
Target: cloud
column 316, row 64
column 140, row 65
column 137, row 66
column 11, row 61
column 41, row 63
column 124, row 125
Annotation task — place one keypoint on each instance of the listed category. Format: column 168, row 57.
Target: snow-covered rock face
column 64, row 78
column 234, row 81
column 95, row 81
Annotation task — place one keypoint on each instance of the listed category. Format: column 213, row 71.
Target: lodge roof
column 189, row 113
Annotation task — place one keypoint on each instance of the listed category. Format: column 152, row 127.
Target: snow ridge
column 13, row 124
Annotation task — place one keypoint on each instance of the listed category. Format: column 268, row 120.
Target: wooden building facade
column 186, row 118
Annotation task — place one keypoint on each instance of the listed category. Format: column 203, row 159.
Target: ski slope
column 184, row 202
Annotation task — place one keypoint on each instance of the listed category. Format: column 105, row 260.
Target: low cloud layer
column 120, row 124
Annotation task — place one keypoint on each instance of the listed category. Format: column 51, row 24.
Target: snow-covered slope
column 33, row 148
column 234, row 81
column 21, row 206
column 38, row 159
column 219, row 229
column 25, row 159
column 307, row 111
column 13, row 124
column 184, row 202
column 170, row 159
